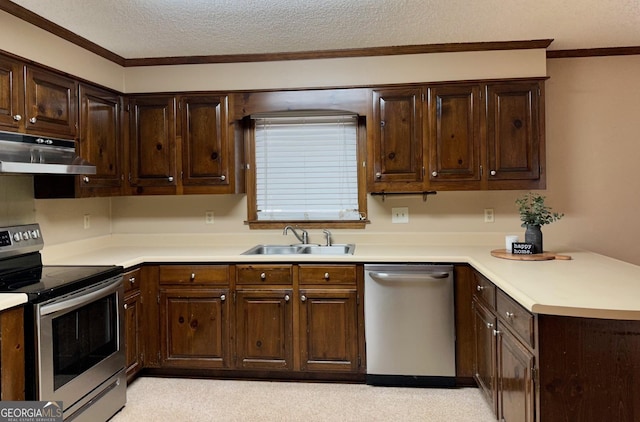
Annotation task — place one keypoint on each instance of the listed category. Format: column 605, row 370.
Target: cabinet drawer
column 131, row 280
column 516, row 317
column 485, row 291
column 327, row 274
column 194, row 274
column 263, row 274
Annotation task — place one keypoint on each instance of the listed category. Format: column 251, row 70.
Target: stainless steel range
column 74, row 327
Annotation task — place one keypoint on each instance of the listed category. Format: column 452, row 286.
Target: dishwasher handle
column 408, row 276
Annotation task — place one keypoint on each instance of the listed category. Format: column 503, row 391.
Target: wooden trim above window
column 262, row 225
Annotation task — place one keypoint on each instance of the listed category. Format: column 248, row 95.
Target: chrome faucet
column 327, row 235
column 304, row 239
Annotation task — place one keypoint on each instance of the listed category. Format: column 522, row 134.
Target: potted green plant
column 534, row 214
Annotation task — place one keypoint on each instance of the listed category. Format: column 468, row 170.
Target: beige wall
column 593, row 105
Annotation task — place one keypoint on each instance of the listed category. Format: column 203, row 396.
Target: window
column 306, row 168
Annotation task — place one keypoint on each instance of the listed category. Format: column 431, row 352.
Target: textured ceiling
column 173, row 28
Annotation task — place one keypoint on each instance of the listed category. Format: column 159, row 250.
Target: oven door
column 80, row 345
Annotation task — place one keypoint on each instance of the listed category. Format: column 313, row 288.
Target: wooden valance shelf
column 425, row 194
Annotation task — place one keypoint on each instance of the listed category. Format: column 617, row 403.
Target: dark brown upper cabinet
column 477, row 135
column 152, row 141
column 454, row 140
column 50, row 103
column 515, row 130
column 207, row 149
column 37, row 101
column 101, row 140
column 396, row 152
column 11, row 94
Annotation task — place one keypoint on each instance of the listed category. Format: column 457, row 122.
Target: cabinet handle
column 132, row 280
column 286, row 298
column 509, row 314
column 263, row 276
column 33, row 120
column 489, row 325
column 493, row 172
column 126, row 306
column 223, row 177
column 223, row 298
column 479, row 288
column 193, row 276
column 378, row 175
column 17, row 117
column 496, row 332
column 170, row 179
column 85, row 179
column 326, row 276
column 303, row 298
column 434, row 173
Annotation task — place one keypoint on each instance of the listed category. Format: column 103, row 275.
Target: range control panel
column 20, row 239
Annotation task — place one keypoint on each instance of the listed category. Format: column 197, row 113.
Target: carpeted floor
column 190, row 400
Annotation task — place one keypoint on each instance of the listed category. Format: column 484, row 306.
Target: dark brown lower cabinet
column 264, row 329
column 328, row 330
column 485, row 354
column 194, row 328
column 12, row 377
column 133, row 324
column 516, row 394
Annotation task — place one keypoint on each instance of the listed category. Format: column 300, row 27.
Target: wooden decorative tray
column 545, row 256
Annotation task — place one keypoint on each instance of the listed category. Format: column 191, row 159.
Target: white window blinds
column 306, row 167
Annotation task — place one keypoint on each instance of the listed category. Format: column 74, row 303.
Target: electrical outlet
column 488, row 215
column 400, row 215
column 208, row 217
column 87, row 221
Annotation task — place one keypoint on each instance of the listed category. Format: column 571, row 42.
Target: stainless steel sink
column 338, row 249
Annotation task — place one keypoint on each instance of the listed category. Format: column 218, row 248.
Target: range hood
column 29, row 154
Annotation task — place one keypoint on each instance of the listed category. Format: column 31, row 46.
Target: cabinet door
column 513, row 131
column 51, row 103
column 485, row 359
column 101, row 140
column 205, row 143
column 11, row 97
column 516, row 385
column 133, row 333
column 397, row 140
column 264, row 324
column 454, row 137
column 328, row 330
column 195, row 328
column 152, row 142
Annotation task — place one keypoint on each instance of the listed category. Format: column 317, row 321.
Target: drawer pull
column 326, row 276
column 286, row 298
column 509, row 314
column 132, row 280
column 303, row 298
column 223, row 298
column 489, row 325
column 480, row 288
column 126, row 306
column 193, row 276
column 263, row 276
column 496, row 332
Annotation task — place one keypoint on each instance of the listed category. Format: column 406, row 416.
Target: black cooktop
column 21, row 269
column 45, row 282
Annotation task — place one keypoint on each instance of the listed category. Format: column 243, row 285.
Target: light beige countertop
column 589, row 285
column 9, row 300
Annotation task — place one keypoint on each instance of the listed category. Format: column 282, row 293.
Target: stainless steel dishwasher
column 409, row 325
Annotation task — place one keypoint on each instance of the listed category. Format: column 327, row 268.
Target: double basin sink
column 337, row 249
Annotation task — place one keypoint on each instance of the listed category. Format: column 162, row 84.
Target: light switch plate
column 208, row 217
column 400, row 215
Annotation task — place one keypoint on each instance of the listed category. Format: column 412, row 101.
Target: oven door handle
column 82, row 298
